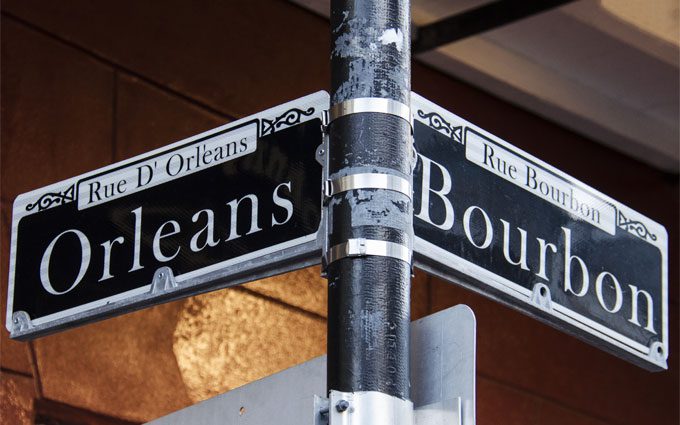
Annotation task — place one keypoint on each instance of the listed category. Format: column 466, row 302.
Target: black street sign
column 230, row 205
column 499, row 221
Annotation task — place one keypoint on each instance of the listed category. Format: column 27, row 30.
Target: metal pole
column 370, row 215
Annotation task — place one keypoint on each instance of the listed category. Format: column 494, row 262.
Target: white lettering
column 617, row 288
column 424, row 213
column 160, row 235
column 567, row 267
column 106, row 273
column 85, row 254
column 209, row 230
column 522, row 262
column 467, row 217
column 635, row 293
column 138, row 240
column 542, row 256
column 283, row 203
column 233, row 231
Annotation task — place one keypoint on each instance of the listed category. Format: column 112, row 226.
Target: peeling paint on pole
column 363, row 45
column 369, row 296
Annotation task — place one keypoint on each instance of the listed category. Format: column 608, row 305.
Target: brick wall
column 86, row 83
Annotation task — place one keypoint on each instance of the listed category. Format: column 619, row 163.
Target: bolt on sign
column 506, row 224
column 230, row 205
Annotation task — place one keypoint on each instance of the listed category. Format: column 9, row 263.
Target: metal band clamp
column 361, row 247
column 371, row 104
column 367, row 181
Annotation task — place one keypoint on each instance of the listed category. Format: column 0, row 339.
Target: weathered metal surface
column 368, row 295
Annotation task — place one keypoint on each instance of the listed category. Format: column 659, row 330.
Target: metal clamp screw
column 342, row 405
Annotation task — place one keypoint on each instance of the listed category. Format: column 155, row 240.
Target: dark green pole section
column 369, row 296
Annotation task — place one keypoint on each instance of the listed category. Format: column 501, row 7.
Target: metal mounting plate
column 442, row 383
column 369, row 408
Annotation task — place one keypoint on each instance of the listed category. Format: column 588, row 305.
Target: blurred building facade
column 87, row 83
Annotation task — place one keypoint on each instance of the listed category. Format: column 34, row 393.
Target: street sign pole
column 369, row 211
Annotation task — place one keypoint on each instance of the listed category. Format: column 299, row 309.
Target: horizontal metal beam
column 478, row 20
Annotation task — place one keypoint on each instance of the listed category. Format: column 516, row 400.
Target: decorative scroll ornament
column 288, row 118
column 49, row 200
column 438, row 123
column 635, row 227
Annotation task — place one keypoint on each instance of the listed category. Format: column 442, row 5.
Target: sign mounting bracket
column 361, row 247
column 371, row 104
column 367, row 181
column 163, row 281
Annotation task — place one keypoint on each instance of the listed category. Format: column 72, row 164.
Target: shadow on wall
column 227, row 338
